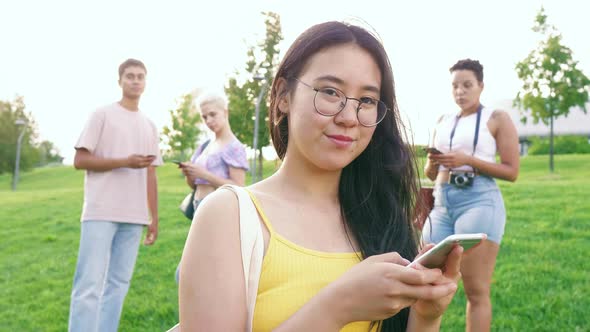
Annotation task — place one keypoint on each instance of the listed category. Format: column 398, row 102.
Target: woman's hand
column 431, row 168
column 451, row 159
column 193, row 171
column 433, row 308
column 380, row 286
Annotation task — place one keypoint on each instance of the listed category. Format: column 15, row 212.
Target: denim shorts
column 476, row 209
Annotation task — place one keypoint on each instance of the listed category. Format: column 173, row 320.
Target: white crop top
column 463, row 138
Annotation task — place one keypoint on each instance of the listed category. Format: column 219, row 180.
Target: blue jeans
column 106, row 259
column 475, row 209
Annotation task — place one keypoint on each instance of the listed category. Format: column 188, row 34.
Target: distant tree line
column 33, row 152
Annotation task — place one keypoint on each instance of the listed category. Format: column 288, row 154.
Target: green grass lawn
column 542, row 280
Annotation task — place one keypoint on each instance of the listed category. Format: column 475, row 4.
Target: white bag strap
column 252, row 244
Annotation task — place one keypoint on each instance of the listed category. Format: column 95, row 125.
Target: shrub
column 566, row 144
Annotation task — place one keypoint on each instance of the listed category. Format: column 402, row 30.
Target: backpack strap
column 252, row 245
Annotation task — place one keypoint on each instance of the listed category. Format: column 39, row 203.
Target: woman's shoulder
column 500, row 116
column 444, row 118
column 218, row 209
column 234, row 154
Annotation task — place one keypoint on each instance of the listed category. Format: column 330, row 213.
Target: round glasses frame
column 344, row 100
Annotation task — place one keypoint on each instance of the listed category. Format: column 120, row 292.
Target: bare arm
column 86, row 160
column 417, row 324
column 190, row 182
column 507, row 146
column 431, row 167
column 237, row 176
column 152, row 195
column 211, row 276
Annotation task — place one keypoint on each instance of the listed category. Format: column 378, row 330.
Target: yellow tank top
column 291, row 275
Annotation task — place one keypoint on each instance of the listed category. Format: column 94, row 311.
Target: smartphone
column 437, row 255
column 177, row 162
column 432, row 150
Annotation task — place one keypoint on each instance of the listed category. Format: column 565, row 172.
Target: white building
column 576, row 123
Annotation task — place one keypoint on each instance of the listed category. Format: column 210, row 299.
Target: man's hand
column 152, row 233
column 139, row 161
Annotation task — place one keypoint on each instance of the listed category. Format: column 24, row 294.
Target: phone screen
column 433, row 150
column 437, row 256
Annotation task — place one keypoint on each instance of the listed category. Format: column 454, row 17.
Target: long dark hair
column 377, row 190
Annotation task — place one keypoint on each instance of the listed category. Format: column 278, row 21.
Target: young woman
column 336, row 216
column 220, row 161
column 467, row 199
column 223, row 160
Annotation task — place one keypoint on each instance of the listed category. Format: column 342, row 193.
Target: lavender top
column 218, row 162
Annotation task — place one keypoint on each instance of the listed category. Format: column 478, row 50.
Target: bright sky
column 62, row 56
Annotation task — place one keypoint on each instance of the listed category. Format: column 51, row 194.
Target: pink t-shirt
column 119, row 195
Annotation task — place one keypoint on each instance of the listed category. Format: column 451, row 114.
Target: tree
column 48, row 153
column 181, row 136
column 9, row 132
column 242, row 97
column 552, row 84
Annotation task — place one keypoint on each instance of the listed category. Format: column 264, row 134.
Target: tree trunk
column 260, row 160
column 551, row 145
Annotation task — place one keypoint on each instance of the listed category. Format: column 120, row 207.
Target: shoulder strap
column 200, row 150
column 252, row 245
column 258, row 207
column 475, row 136
column 204, row 146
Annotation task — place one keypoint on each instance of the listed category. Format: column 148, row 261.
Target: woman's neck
column 470, row 110
column 305, row 180
column 224, row 134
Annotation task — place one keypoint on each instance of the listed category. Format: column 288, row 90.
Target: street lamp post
column 256, row 116
column 19, row 122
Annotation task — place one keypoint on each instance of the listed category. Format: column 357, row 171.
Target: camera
column 461, row 179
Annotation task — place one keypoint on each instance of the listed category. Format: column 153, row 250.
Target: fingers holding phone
column 179, row 163
column 434, row 305
column 432, row 150
column 433, row 154
column 436, row 256
column 139, row 161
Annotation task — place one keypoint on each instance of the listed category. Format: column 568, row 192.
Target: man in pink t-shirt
column 118, row 148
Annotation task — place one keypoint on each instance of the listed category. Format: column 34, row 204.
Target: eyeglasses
column 331, row 101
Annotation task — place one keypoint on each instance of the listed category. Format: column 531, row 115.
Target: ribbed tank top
column 291, row 275
column 463, row 138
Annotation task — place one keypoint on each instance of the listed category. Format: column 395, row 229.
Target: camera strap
column 475, row 136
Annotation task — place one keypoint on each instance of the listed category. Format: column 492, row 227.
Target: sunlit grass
column 541, row 282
